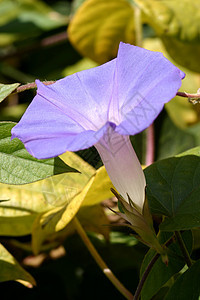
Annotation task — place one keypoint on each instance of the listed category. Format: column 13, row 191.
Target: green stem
column 144, row 276
column 138, row 26
column 108, row 273
column 148, row 269
column 183, row 248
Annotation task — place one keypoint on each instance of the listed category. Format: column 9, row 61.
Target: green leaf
column 160, row 273
column 177, row 23
column 185, row 54
column 11, row 269
column 187, row 285
column 99, row 25
column 25, row 202
column 182, row 141
column 193, row 151
column 185, row 139
column 188, row 114
column 23, row 19
column 95, row 191
column 173, row 187
column 18, row 166
column 173, row 18
column 7, row 89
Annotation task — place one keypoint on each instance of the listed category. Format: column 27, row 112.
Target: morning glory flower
column 102, row 107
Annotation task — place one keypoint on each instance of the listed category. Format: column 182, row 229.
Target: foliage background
column 34, row 44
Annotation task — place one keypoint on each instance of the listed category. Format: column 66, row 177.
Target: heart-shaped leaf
column 187, row 285
column 160, row 273
column 177, row 23
column 173, row 187
column 99, row 25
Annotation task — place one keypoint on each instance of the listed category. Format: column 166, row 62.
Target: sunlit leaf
column 95, row 191
column 100, row 189
column 185, row 54
column 177, row 23
column 18, row 166
column 99, row 25
column 11, row 269
column 92, row 218
column 25, row 202
column 7, row 89
column 188, row 114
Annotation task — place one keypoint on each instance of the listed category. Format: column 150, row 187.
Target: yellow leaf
column 95, row 191
column 175, row 18
column 100, row 190
column 99, row 25
column 11, row 269
column 179, row 106
column 178, row 24
column 25, row 202
column 93, row 218
column 185, row 54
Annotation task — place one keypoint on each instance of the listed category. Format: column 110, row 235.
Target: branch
column 107, row 272
column 183, row 248
column 150, row 145
column 30, row 86
column 148, row 270
column 187, row 95
column 45, row 42
column 192, row 98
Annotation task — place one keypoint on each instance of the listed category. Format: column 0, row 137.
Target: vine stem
column 107, row 272
column 187, row 95
column 144, row 276
column 148, row 270
column 30, row 86
column 138, row 26
column 150, row 147
column 45, row 42
column 183, row 248
column 149, row 159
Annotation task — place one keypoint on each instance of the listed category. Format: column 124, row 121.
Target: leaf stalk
column 105, row 269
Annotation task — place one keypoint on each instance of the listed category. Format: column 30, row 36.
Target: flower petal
column 145, row 80
column 65, row 113
column 53, row 146
column 47, row 131
column 84, row 95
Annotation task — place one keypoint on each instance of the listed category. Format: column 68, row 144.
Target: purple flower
column 102, row 107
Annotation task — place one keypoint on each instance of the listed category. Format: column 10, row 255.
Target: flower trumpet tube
column 102, row 107
column 123, row 166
